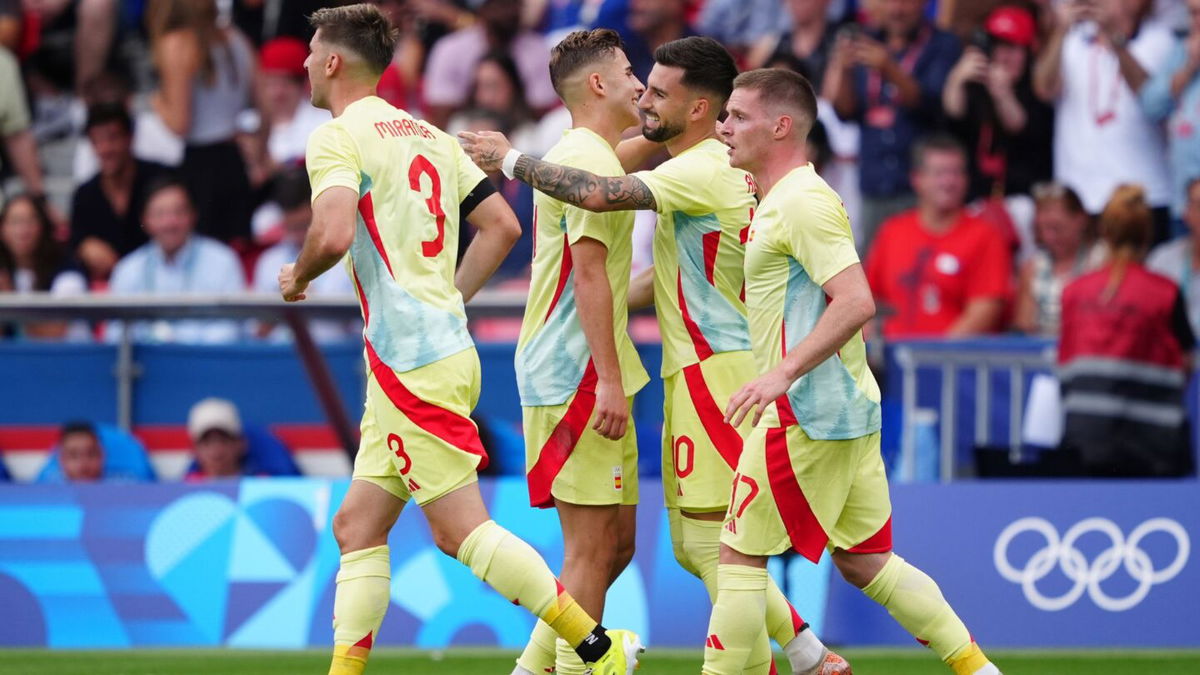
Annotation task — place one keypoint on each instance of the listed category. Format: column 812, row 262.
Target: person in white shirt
column 177, row 261
column 283, row 95
column 292, row 195
column 1179, row 260
column 1098, row 56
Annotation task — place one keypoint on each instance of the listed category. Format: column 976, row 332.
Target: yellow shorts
column 700, row 451
column 566, row 459
column 417, row 437
column 791, row 491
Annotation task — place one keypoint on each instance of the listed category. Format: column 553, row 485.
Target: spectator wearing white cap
column 215, row 429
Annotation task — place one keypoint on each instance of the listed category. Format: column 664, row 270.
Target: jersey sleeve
column 676, row 185
column 583, row 223
column 819, row 236
column 332, row 160
column 469, row 175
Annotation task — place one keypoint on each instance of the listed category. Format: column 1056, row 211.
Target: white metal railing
column 996, row 358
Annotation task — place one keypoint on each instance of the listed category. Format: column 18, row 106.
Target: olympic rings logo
column 1085, row 576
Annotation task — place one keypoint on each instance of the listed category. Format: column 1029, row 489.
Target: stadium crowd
column 157, row 146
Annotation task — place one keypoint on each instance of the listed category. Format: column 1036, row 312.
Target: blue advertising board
column 251, row 563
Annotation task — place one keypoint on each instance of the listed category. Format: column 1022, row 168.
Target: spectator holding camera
column 1098, row 57
column 890, row 81
column 1172, row 95
column 990, row 101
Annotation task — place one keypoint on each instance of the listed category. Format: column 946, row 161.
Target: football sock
column 738, row 619
column 517, row 572
column 698, row 549
column 538, row 657
column 916, row 603
column 363, row 592
column 568, row 662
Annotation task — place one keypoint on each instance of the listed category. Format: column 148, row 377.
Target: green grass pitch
column 496, row 662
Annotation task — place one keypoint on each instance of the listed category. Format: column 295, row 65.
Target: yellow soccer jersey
column 411, row 178
column 704, row 208
column 552, row 352
column 799, row 239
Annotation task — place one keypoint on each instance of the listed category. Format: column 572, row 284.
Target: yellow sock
column 363, row 592
column 567, row 661
column 538, row 656
column 517, row 572
column 737, row 621
column 968, row 661
column 697, row 546
column 916, row 603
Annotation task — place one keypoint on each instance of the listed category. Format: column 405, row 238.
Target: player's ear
column 783, row 126
column 595, row 83
column 700, row 108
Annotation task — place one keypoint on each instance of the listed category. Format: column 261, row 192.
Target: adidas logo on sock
column 714, row 642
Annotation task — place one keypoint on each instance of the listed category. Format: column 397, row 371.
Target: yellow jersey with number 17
column 800, row 238
column 410, row 178
column 704, row 208
column 553, row 358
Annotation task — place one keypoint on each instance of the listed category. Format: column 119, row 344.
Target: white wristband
column 510, row 162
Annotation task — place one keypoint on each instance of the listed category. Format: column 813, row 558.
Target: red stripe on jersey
column 712, row 243
column 703, row 350
column 805, row 531
column 447, row 425
column 564, row 273
column 773, row 670
column 562, row 441
column 362, row 299
column 724, row 436
column 366, row 209
column 783, row 405
column 880, row 542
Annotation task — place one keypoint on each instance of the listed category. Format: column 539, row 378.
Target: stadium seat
column 125, row 459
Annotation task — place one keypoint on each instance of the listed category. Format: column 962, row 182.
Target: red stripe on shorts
column 562, row 442
column 366, row 209
column 703, row 350
column 880, row 542
column 447, row 425
column 803, row 528
column 725, row 438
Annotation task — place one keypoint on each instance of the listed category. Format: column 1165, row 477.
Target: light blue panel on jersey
column 724, row 327
column 827, row 401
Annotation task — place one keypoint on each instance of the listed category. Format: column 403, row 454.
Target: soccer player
column 577, row 369
column 390, row 190
column 704, row 208
column 811, row 476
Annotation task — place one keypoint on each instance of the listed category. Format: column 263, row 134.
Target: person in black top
column 990, row 102
column 106, row 210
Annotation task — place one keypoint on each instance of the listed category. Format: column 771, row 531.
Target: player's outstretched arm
column 577, row 187
column 850, row 307
column 328, row 239
column 497, row 229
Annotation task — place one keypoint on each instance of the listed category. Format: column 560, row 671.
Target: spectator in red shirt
column 941, row 271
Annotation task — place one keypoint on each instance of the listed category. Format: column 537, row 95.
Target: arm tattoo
column 575, row 186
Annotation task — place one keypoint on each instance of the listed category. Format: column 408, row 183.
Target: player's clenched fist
column 291, row 289
column 486, row 148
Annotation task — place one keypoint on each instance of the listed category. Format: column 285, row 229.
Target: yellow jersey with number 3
column 410, row 178
column 552, row 352
column 704, row 209
column 800, row 238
